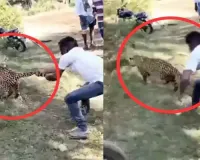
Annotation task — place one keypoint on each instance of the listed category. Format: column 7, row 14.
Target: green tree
column 10, row 16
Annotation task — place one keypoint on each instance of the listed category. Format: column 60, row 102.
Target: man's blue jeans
column 101, row 28
column 196, row 90
column 85, row 92
column 196, row 93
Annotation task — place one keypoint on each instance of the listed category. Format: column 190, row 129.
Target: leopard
column 9, row 81
column 147, row 66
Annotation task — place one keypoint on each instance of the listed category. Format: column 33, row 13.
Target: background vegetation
column 11, row 11
column 10, row 16
column 41, row 6
column 110, row 6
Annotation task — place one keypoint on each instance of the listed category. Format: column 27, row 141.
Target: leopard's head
column 135, row 60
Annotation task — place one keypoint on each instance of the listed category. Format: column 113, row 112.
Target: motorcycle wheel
column 21, row 46
column 112, row 152
column 148, row 28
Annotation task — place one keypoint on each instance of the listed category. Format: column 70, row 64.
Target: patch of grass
column 115, row 33
column 134, row 5
column 72, row 4
column 135, row 129
column 42, row 6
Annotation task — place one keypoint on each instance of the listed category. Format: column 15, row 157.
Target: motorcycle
column 26, row 4
column 112, row 152
column 14, row 42
column 140, row 17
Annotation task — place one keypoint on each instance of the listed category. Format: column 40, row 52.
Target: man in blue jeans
column 193, row 64
column 90, row 67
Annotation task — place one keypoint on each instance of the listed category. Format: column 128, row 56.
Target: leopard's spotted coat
column 9, row 81
column 148, row 66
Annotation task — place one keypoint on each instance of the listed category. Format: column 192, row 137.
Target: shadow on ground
column 135, row 129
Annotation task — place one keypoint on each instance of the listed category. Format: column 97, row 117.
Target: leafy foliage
column 42, row 6
column 10, row 17
column 134, row 5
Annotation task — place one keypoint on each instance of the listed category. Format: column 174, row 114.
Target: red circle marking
column 120, row 78
column 39, row 109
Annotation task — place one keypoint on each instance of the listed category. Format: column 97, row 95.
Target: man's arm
column 64, row 62
column 51, row 73
column 52, row 76
column 185, row 80
column 191, row 68
column 47, row 70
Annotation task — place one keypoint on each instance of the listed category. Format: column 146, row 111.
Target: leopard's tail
column 28, row 74
column 45, row 41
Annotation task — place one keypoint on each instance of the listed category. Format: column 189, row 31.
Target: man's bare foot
column 92, row 46
column 86, row 48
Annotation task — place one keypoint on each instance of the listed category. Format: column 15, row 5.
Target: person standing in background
column 87, row 20
column 98, row 9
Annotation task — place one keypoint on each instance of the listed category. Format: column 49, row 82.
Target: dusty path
column 57, row 24
column 182, row 8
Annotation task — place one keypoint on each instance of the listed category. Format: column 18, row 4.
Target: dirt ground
column 56, row 25
column 44, row 136
column 142, row 134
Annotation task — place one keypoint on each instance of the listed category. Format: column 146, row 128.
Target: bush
column 42, row 6
column 110, row 6
column 9, row 16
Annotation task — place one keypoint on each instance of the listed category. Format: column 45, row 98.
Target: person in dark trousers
column 197, row 7
column 98, row 11
column 90, row 67
column 192, row 39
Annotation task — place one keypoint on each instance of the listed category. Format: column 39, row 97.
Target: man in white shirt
column 193, row 64
column 84, row 10
column 90, row 67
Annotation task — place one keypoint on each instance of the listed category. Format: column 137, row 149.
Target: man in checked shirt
column 98, row 10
